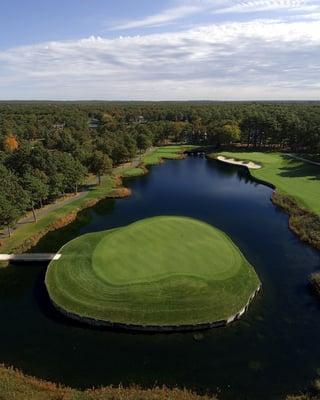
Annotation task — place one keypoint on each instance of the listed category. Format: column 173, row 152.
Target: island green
column 161, row 271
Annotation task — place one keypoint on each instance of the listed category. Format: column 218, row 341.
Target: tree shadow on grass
column 298, row 169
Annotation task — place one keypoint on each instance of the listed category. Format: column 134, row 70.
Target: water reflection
column 272, row 351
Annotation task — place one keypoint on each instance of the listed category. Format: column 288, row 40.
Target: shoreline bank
column 290, row 205
column 304, row 223
column 155, row 328
column 15, row 385
column 28, row 235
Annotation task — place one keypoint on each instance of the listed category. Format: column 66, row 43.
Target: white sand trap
column 250, row 164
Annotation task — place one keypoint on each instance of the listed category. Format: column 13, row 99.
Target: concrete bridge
column 30, row 257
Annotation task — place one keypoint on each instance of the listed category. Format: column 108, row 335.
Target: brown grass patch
column 16, row 386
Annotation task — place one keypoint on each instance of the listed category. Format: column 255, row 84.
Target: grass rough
column 16, row 386
column 161, row 271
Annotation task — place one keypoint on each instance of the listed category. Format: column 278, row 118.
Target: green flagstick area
column 162, row 272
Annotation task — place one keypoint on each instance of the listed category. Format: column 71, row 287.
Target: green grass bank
column 297, row 191
column 161, row 273
column 173, row 152
column 291, row 177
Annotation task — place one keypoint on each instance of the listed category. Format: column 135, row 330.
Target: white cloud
column 269, row 5
column 163, row 18
column 263, row 59
column 187, row 8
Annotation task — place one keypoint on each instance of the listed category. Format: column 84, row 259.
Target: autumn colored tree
column 10, row 143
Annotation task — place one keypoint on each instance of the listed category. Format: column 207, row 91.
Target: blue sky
column 161, row 50
column 33, row 21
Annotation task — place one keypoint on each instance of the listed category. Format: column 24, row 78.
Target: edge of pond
column 157, row 328
column 115, row 191
column 302, row 222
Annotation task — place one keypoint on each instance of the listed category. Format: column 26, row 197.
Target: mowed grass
column 162, row 271
column 174, row 152
column 292, row 177
column 132, row 172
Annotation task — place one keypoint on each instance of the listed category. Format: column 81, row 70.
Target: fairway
column 165, row 152
column 290, row 176
column 162, row 271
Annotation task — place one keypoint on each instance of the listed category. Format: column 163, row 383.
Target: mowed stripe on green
column 290, row 176
column 126, row 265
column 160, row 271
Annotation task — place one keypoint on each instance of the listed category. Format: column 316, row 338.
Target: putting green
column 162, row 271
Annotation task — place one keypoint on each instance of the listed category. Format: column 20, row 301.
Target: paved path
column 28, row 218
column 135, row 162
column 29, row 257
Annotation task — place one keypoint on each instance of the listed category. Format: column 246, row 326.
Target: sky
column 160, row 50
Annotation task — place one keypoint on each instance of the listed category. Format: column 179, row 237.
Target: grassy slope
column 291, row 177
column 132, row 172
column 160, row 271
column 16, row 386
column 168, row 152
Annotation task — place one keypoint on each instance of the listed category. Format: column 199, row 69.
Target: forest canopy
column 48, row 149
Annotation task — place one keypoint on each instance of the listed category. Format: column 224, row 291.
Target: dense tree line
column 47, row 149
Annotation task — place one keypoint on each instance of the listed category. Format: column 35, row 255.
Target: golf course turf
column 297, row 191
column 165, row 272
column 291, row 177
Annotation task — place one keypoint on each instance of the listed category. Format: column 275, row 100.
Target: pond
column 274, row 350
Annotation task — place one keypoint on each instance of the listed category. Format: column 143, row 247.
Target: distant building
column 59, row 126
column 93, row 123
column 141, row 119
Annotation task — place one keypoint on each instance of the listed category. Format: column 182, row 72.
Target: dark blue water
column 274, row 350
